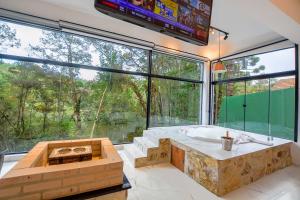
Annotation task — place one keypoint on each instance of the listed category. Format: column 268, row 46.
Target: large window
column 56, row 85
column 257, row 94
column 175, row 103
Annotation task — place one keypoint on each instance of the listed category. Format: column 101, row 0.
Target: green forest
column 48, row 102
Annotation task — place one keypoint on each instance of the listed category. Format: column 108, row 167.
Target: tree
column 26, row 81
column 241, row 67
column 172, row 100
column 8, row 37
column 123, row 58
column 67, row 48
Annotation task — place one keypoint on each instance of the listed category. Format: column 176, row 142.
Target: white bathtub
column 209, row 133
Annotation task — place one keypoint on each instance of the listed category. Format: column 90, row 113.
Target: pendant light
column 219, row 66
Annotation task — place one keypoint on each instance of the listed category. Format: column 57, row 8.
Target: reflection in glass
column 174, row 103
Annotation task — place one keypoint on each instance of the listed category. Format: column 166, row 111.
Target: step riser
column 150, row 136
column 141, row 146
column 148, row 150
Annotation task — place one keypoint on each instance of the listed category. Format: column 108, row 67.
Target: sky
column 283, row 60
column 278, row 61
column 30, row 35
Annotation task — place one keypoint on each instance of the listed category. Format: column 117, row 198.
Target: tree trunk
column 230, row 89
column 20, row 112
column 44, row 121
column 135, row 89
column 76, row 96
column 98, row 112
column 218, row 104
column 77, row 110
column 59, row 110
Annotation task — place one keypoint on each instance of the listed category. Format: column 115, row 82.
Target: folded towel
column 243, row 138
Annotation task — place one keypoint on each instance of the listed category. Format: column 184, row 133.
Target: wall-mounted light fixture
column 213, row 29
column 226, row 37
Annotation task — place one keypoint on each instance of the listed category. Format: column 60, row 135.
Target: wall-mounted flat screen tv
column 188, row 20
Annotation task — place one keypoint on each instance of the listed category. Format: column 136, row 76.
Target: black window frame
column 148, row 75
column 257, row 77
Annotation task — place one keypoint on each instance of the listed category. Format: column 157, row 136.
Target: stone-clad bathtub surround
column 34, row 178
column 224, row 176
column 208, row 164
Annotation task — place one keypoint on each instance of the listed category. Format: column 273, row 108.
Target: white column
column 205, row 94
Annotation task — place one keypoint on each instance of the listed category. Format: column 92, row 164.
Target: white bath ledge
column 212, row 149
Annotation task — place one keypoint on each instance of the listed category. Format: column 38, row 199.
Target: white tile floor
column 165, row 182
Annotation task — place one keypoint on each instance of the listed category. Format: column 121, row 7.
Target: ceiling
column 245, row 30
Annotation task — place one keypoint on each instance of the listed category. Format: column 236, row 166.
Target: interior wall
column 272, row 16
column 289, row 7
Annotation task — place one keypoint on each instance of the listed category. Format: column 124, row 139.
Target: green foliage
column 33, row 108
column 137, row 133
column 47, row 102
column 7, row 37
column 176, row 67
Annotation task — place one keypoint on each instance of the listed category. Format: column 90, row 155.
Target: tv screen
column 188, row 20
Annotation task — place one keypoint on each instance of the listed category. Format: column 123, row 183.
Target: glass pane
column 277, row 61
column 176, row 67
column 34, row 42
column 110, row 55
column 282, row 107
column 267, row 63
column 235, row 101
column 220, row 105
column 257, row 109
column 46, row 102
column 175, row 103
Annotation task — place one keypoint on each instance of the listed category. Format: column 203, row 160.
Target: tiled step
column 149, row 149
column 144, row 144
column 151, row 136
column 133, row 152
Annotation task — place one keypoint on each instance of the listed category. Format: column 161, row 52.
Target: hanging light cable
column 219, row 66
